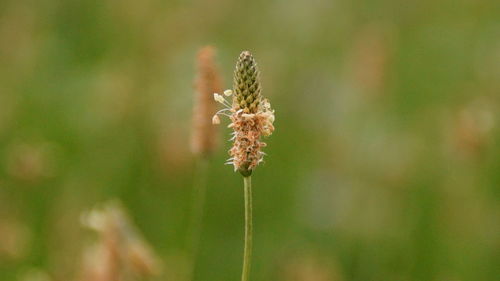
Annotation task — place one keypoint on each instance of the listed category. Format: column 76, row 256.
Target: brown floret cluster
column 246, row 152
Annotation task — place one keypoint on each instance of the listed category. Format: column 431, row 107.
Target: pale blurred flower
column 120, row 252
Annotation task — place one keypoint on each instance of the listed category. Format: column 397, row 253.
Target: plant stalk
column 196, row 218
column 247, row 253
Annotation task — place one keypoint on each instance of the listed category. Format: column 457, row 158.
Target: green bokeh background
column 385, row 162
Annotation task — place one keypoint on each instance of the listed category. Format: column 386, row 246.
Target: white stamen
column 247, row 116
column 228, row 93
column 219, row 98
column 215, row 120
column 222, row 110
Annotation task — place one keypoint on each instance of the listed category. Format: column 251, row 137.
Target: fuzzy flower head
column 204, row 137
column 250, row 114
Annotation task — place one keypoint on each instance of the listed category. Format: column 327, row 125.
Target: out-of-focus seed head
column 208, row 82
column 121, row 251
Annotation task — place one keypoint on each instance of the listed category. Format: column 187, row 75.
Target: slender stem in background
column 247, row 254
column 196, row 217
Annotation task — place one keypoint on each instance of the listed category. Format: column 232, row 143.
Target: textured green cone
column 246, row 83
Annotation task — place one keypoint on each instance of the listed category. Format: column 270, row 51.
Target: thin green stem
column 196, row 217
column 247, row 254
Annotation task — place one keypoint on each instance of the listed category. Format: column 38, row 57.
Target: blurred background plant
column 385, row 165
column 120, row 253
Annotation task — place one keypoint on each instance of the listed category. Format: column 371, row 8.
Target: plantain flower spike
column 250, row 114
column 208, row 80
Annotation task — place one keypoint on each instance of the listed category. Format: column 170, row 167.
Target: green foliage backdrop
column 384, row 164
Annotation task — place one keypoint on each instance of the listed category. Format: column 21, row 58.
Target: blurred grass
column 384, row 164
